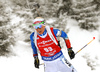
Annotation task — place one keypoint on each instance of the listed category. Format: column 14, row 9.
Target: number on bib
column 48, row 49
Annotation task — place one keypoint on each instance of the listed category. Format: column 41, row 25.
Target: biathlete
column 45, row 40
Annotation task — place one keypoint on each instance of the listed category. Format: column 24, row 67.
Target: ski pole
column 85, row 45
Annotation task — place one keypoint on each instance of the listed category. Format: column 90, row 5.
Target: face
column 41, row 29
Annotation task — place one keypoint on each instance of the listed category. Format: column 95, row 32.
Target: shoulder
column 32, row 37
column 60, row 33
column 55, row 31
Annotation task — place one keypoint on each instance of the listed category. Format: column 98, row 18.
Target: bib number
column 48, row 49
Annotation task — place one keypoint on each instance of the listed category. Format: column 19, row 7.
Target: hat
column 38, row 20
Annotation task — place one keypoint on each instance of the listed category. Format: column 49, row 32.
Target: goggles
column 38, row 26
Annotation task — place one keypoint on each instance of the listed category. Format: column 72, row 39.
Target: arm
column 35, row 54
column 33, row 45
column 34, row 49
column 62, row 34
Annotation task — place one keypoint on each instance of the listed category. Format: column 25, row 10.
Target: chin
column 41, row 33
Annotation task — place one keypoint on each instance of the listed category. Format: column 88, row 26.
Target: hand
column 71, row 53
column 36, row 62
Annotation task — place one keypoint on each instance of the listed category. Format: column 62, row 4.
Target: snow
column 23, row 60
column 79, row 38
column 15, row 19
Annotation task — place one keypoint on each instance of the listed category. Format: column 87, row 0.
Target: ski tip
column 93, row 37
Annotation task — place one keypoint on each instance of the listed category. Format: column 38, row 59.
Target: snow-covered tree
column 85, row 13
column 6, row 32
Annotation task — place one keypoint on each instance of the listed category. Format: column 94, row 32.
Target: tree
column 97, row 2
column 65, row 8
column 6, row 40
column 6, row 33
column 85, row 12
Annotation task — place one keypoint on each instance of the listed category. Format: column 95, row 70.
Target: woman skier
column 45, row 40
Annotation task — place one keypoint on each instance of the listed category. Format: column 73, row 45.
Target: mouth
column 39, row 32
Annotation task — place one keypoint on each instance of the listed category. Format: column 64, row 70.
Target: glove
column 71, row 53
column 36, row 62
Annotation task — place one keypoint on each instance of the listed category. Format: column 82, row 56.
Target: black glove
column 36, row 62
column 71, row 53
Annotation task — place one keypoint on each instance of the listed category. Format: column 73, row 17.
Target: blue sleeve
column 63, row 34
column 33, row 44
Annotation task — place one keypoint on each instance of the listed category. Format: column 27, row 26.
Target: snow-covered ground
column 23, row 60
column 79, row 38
